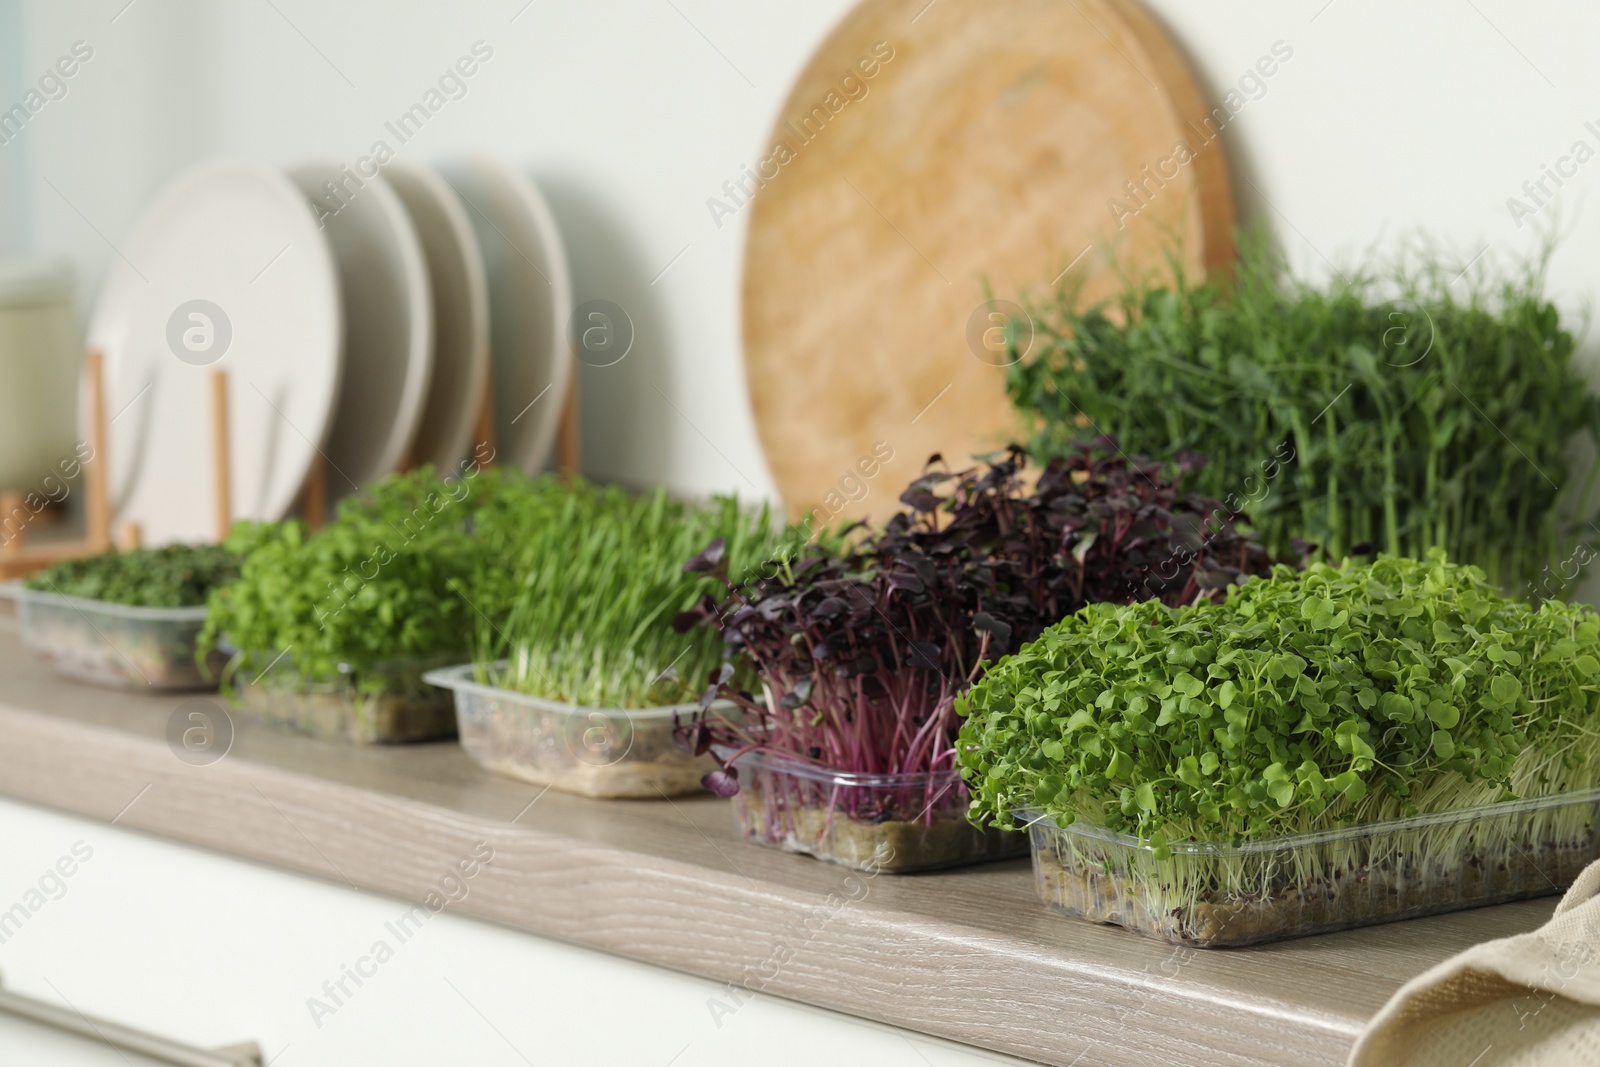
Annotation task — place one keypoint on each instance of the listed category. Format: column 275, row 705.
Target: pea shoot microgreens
column 1425, row 406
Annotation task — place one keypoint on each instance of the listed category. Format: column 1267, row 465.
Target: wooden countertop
column 969, row 955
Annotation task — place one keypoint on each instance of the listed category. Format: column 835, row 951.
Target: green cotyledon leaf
column 1319, row 728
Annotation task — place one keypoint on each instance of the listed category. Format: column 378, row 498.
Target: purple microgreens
column 709, row 558
column 862, row 650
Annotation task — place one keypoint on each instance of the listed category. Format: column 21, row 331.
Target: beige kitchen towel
column 1527, row 1001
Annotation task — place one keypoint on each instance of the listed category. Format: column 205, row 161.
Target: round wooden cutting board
column 930, row 157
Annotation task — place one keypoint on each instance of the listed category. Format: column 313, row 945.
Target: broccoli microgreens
column 1315, row 699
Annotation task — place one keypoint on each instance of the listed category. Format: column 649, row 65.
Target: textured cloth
column 1527, row 1001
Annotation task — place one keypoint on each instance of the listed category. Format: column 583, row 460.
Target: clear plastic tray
column 596, row 752
column 894, row 823
column 387, row 704
column 117, row 645
column 1213, row 895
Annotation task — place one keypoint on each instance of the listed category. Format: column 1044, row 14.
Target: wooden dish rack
column 18, row 558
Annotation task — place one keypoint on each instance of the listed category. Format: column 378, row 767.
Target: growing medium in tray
column 1319, row 749
column 577, row 683
column 860, row 653
column 126, row 619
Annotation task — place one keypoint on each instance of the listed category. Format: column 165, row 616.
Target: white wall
column 1389, row 119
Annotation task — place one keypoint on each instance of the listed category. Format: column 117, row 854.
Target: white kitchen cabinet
column 213, row 950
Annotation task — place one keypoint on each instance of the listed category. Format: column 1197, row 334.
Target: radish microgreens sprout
column 861, row 653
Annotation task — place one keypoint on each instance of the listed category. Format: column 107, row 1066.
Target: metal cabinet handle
column 127, row 1039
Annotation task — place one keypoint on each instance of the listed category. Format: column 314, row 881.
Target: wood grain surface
column 968, row 955
column 931, row 156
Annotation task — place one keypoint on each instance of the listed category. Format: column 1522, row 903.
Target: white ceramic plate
column 460, row 316
column 388, row 314
column 530, row 300
column 237, row 236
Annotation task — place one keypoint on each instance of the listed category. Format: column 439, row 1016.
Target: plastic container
column 1213, row 895
column 595, row 752
column 116, row 645
column 386, row 704
column 893, row 823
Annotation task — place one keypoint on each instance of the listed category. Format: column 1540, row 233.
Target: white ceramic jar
column 40, row 353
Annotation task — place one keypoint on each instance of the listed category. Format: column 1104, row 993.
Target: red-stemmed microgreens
column 861, row 652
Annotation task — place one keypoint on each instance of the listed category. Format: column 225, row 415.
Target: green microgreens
column 1324, row 698
column 591, row 621
column 174, row 576
column 402, row 573
column 1426, row 407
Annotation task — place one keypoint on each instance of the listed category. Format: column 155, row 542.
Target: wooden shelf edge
column 935, row 978
column 968, row 955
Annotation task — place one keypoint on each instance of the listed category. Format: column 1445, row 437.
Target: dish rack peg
column 567, row 434
column 314, row 497
column 485, row 432
column 17, row 558
column 221, row 459
column 11, row 541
